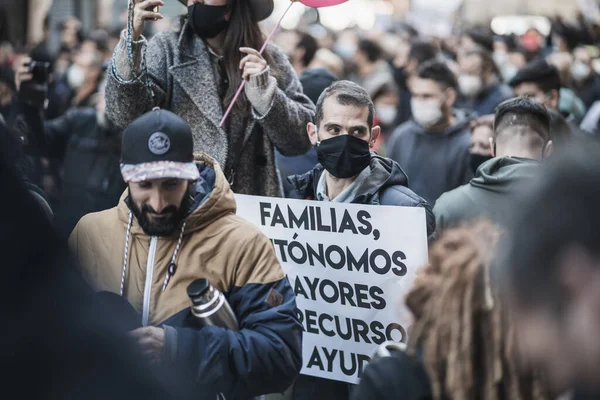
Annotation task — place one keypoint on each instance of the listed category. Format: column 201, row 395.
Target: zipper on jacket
column 149, row 276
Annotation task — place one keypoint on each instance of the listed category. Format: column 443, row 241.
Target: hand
column 22, row 73
column 151, row 341
column 140, row 15
column 253, row 63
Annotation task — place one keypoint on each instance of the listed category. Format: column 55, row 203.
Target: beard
column 168, row 220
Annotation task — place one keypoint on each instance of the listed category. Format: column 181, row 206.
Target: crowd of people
column 115, row 152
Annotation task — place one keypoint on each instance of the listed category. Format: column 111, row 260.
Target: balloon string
column 237, row 94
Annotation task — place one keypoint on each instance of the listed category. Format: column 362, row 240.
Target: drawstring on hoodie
column 172, row 266
column 126, row 252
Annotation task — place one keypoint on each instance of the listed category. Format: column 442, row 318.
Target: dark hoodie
column 387, row 186
column 436, row 162
column 488, row 194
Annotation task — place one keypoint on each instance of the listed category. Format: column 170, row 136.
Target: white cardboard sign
column 350, row 266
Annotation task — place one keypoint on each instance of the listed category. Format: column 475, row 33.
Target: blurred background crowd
column 430, row 66
column 495, row 50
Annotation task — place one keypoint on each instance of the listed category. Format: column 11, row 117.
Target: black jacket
column 436, row 162
column 589, row 91
column 487, row 101
column 387, row 186
column 88, row 154
column 395, row 377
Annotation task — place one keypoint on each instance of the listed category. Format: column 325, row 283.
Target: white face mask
column 426, row 112
column 580, row 70
column 509, row 72
column 386, row 114
column 470, row 85
column 500, row 58
column 345, row 50
column 75, row 76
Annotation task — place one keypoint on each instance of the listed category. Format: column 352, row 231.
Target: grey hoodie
column 436, row 162
column 488, row 195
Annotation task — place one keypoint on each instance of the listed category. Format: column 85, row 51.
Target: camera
column 40, row 72
column 35, row 91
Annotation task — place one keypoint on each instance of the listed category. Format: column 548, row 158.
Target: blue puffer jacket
column 263, row 357
column 387, row 186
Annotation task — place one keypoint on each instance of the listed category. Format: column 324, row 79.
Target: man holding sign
column 349, row 173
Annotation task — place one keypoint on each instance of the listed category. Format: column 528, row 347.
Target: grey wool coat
column 181, row 78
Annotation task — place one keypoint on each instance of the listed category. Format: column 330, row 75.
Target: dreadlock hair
column 460, row 330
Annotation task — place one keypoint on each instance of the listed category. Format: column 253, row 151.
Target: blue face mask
column 207, row 21
column 345, row 50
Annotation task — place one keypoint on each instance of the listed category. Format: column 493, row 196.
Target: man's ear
column 548, row 149
column 411, row 66
column 374, row 136
column 554, row 99
column 298, row 54
column 311, row 129
column 451, row 93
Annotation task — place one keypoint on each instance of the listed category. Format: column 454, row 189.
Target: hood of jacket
column 462, row 120
column 121, row 258
column 213, row 199
column 499, row 175
column 384, row 173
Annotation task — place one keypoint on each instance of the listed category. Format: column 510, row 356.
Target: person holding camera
column 83, row 149
column 196, row 72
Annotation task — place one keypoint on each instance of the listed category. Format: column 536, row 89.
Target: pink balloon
column 322, row 3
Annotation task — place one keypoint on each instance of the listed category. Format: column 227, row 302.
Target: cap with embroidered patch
column 158, row 145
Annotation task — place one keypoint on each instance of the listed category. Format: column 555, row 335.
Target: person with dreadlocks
column 196, row 72
column 459, row 344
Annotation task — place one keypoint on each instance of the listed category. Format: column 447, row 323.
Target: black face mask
column 344, row 156
column 476, row 160
column 207, row 21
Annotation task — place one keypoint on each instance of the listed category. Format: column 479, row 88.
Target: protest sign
column 350, row 266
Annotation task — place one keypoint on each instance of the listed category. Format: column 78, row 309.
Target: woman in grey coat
column 195, row 73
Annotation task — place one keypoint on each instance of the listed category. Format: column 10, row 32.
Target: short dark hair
column 422, row 51
column 310, row 46
column 482, row 36
column 487, row 60
column 371, row 49
column 524, row 112
column 439, row 72
column 100, row 37
column 509, row 41
column 346, row 93
column 560, row 210
column 539, row 72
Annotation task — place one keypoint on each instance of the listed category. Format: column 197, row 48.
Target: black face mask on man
column 207, row 21
column 344, row 156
